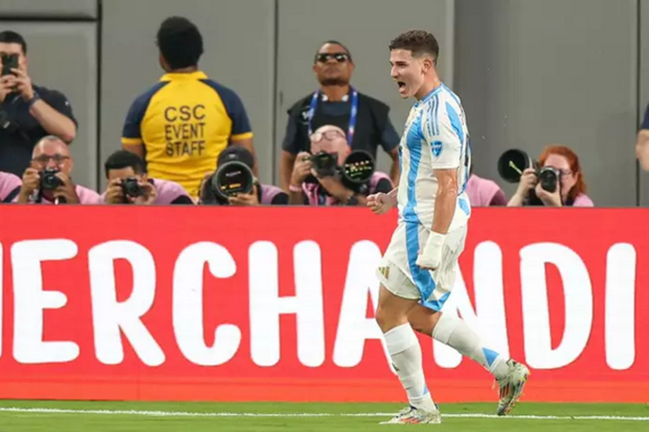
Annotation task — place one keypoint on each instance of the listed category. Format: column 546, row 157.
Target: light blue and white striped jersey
column 435, row 137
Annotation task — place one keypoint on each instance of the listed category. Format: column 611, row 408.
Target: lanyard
column 352, row 115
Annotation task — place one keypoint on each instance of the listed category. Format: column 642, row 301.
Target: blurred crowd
column 188, row 140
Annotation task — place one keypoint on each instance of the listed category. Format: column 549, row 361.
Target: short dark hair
column 123, row 159
column 9, row 36
column 180, row 42
column 418, row 42
column 333, row 42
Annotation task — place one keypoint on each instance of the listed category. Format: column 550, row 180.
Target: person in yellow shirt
column 182, row 124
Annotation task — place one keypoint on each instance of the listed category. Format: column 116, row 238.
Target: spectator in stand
column 48, row 180
column 642, row 143
column 261, row 194
column 27, row 112
column 181, row 124
column 330, row 190
column 9, row 187
column 571, row 188
column 484, row 192
column 365, row 120
column 128, row 183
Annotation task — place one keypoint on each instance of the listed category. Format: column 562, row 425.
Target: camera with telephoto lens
column 325, row 164
column 357, row 170
column 49, row 180
column 355, row 174
column 513, row 163
column 232, row 178
column 131, row 187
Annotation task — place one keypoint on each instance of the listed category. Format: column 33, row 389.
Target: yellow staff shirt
column 184, row 122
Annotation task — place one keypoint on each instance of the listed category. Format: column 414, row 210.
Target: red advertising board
column 234, row 304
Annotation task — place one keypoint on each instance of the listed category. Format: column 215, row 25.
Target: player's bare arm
column 445, row 201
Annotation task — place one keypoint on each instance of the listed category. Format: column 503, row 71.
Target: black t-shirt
column 373, row 125
column 20, row 131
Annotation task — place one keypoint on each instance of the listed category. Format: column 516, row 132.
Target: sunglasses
column 330, row 135
column 339, row 57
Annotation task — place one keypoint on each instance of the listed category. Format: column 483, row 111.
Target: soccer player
column 417, row 271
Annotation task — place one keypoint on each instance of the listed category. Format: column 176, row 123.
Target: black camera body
column 231, row 178
column 549, row 178
column 49, row 180
column 131, row 187
column 355, row 174
column 325, row 164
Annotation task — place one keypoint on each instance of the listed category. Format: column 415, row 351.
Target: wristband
column 34, row 99
column 294, row 188
column 431, row 255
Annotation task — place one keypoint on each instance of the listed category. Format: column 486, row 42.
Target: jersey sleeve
column 443, row 133
column 241, row 129
column 131, row 134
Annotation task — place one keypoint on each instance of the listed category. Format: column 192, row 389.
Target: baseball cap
column 236, row 153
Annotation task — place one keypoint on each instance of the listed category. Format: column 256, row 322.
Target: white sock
column 405, row 352
column 454, row 332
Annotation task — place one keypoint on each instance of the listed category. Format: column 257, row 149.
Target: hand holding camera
column 528, row 181
column 245, row 199
column 8, row 79
column 131, row 191
column 6, row 87
column 51, row 182
column 61, row 185
column 147, row 194
column 115, row 192
column 14, row 78
column 301, row 169
column 31, row 183
column 550, row 199
column 515, row 166
column 23, row 84
column 334, row 187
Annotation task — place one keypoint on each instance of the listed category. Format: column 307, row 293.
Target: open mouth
column 401, row 85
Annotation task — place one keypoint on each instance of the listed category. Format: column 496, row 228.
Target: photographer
column 27, row 112
column 235, row 167
column 48, row 181
column 128, row 183
column 9, row 187
column 329, row 185
column 559, row 182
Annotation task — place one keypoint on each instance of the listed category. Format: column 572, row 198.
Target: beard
column 334, row 82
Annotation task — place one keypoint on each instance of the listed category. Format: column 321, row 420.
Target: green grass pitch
column 57, row 416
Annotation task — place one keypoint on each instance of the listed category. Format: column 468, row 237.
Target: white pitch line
column 286, row 415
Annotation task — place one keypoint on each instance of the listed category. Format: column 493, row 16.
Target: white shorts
column 399, row 273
